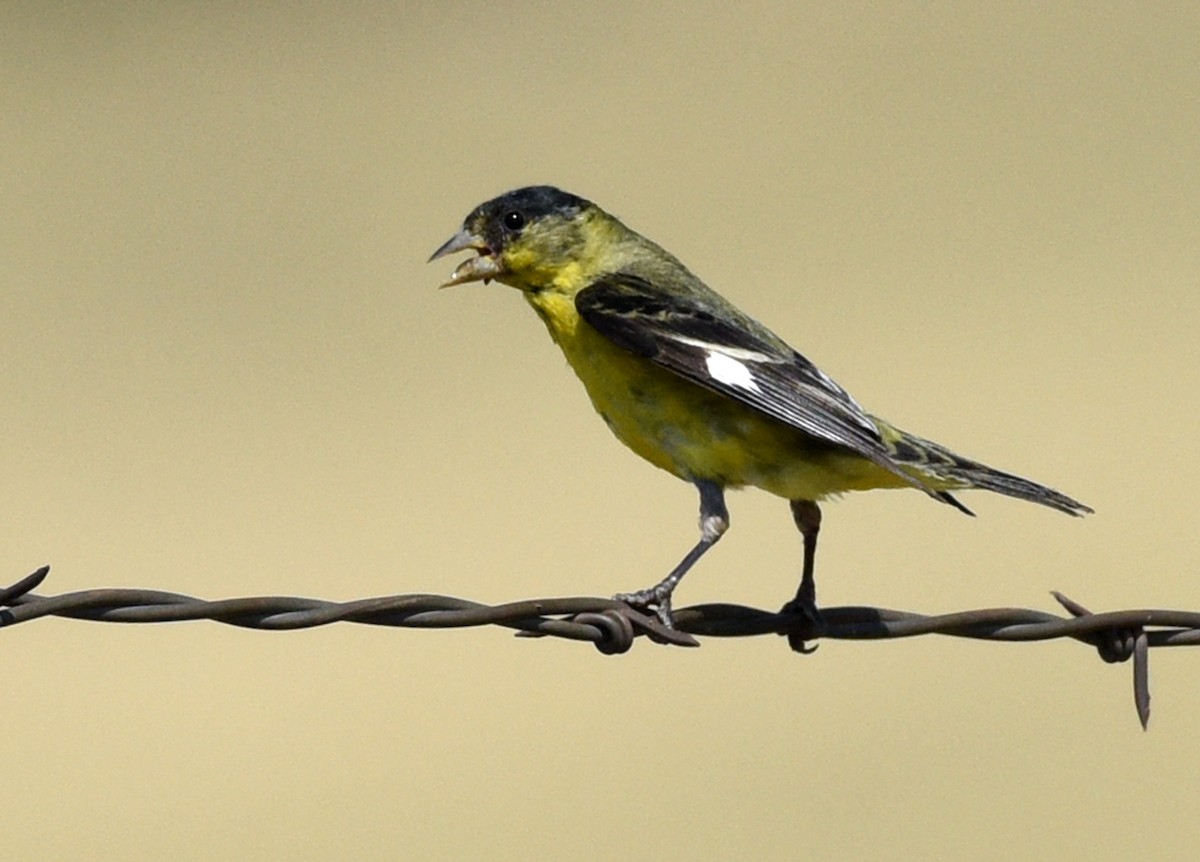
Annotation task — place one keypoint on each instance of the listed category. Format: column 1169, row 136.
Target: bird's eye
column 514, row 220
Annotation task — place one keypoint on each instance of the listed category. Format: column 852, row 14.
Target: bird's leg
column 714, row 521
column 807, row 516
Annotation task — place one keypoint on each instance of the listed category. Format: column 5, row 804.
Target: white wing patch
column 727, row 350
column 725, row 369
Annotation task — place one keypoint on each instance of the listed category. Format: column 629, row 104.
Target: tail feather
column 981, row 476
column 957, row 472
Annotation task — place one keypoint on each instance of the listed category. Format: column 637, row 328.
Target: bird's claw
column 655, row 600
column 809, row 625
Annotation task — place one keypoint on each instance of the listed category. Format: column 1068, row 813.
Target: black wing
column 726, row 354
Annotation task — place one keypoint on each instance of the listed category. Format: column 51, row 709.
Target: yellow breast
column 690, row 431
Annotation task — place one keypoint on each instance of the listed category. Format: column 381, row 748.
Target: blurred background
column 226, row 371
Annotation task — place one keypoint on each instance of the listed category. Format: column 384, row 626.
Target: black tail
column 982, row 476
column 939, row 462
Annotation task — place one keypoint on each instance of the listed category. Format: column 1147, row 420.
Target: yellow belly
column 695, row 433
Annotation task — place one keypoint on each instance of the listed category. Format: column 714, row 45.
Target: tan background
column 226, row 372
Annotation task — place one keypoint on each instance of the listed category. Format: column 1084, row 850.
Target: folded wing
column 733, row 356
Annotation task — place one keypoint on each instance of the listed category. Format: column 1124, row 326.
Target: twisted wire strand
column 613, row 626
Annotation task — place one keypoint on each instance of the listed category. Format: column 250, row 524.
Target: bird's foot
column 809, row 626
column 806, row 608
column 656, row 599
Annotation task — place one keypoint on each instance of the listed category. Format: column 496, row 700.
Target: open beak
column 484, row 267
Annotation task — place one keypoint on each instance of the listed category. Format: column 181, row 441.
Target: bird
column 696, row 386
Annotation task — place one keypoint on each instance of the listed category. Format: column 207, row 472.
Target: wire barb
column 613, row 626
column 1116, row 645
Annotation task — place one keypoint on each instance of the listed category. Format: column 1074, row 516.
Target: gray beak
column 483, row 268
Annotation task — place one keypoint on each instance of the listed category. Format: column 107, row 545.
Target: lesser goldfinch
column 694, row 385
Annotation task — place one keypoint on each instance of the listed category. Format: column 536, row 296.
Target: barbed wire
column 613, row 626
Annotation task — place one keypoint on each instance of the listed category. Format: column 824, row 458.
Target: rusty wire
column 613, row 626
